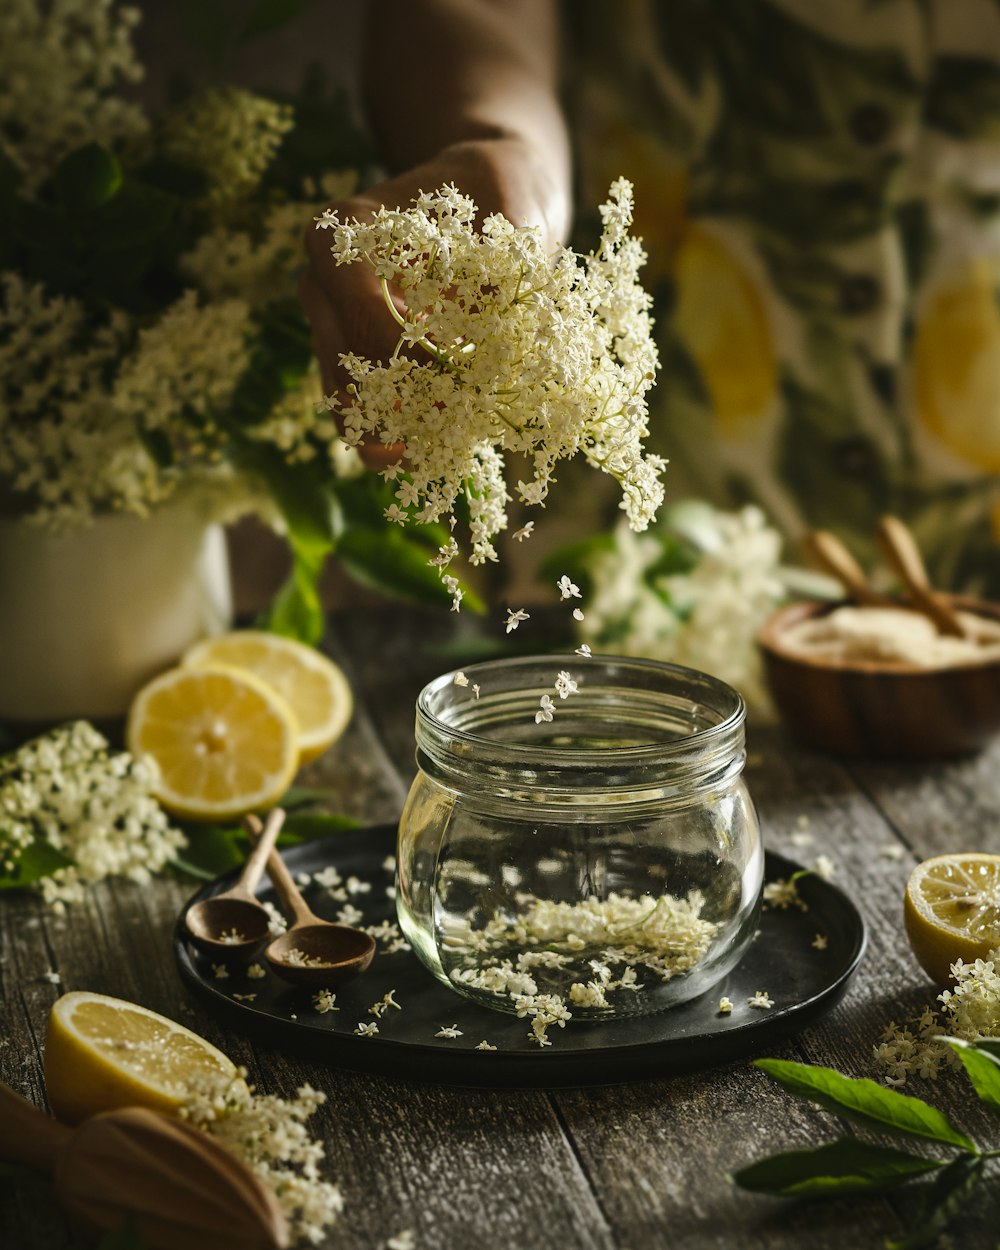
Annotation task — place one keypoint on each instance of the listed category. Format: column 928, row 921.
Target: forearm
column 444, row 73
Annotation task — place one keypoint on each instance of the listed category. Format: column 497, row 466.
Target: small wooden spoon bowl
column 339, row 952
column 881, row 710
column 213, row 916
column 234, row 925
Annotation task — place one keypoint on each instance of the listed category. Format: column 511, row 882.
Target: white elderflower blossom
column 761, row 999
column 449, row 1031
column 585, row 651
column 523, row 353
column 62, row 64
column 230, row 135
column 704, row 615
column 824, row 867
column 515, row 618
column 725, row 1006
column 567, row 589
column 565, row 685
column 366, row 1030
column 68, row 792
column 269, row 1134
column 324, row 1001
column 79, row 394
column 519, row 536
column 484, row 1045
column 546, row 709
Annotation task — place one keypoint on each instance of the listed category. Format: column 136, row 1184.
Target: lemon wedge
column 313, row 686
column 952, row 910
column 102, row 1053
column 226, row 743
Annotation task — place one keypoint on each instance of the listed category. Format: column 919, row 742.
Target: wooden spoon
column 314, row 952
column 903, row 554
column 179, row 1187
column 830, row 554
column 235, row 924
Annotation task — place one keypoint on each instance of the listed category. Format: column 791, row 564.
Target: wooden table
column 626, row 1166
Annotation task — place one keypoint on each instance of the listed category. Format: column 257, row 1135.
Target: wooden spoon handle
column 253, row 869
column 288, row 891
column 903, row 554
column 830, row 554
column 27, row 1134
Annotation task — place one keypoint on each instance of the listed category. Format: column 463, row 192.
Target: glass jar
column 604, row 862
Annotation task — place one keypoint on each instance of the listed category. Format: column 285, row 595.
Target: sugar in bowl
column 592, row 853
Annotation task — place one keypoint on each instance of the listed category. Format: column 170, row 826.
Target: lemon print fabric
column 956, row 365
column 720, row 318
column 824, row 230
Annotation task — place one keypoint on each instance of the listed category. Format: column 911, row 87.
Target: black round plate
column 801, row 980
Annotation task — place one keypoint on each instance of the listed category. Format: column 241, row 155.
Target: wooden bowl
column 866, row 708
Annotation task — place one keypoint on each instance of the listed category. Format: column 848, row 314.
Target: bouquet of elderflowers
column 150, row 338
column 503, row 349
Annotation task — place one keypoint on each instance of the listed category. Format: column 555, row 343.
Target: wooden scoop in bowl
column 903, row 554
column 179, row 1187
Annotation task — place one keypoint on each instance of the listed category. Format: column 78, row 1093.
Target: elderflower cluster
column 227, row 263
column 79, row 395
column 705, row 616
column 508, row 350
column 62, row 65
column 269, row 1134
column 65, row 794
column 970, row 1011
column 230, row 135
column 554, row 951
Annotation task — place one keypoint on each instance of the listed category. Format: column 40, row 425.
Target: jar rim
column 704, row 692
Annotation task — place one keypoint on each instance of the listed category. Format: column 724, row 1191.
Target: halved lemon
column 102, row 1053
column 313, row 686
column 226, row 743
column 952, row 910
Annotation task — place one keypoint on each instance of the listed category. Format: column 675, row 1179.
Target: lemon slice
column 225, row 742
column 952, row 910
column 313, row 687
column 102, row 1053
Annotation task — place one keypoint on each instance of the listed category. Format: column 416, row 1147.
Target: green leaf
column 389, row 561
column 865, row 1102
column 38, row 860
column 304, row 796
column 295, row 612
column 989, row 1045
column 211, row 850
column 844, row 1166
column 983, row 1069
column 88, row 177
column 945, row 1198
column 269, row 15
column 305, row 826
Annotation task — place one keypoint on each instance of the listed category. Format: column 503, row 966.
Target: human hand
column 345, row 305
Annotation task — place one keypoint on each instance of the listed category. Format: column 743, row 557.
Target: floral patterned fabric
column 818, row 186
